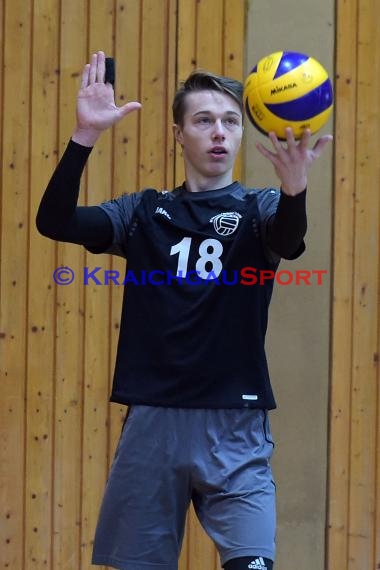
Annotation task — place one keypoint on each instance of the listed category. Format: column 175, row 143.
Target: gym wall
column 324, row 340
column 57, row 344
column 299, row 325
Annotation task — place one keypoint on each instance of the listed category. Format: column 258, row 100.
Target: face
column 211, row 134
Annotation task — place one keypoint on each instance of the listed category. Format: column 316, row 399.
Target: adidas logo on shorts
column 257, row 564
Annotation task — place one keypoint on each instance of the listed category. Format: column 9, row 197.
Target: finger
column 129, row 108
column 93, row 69
column 290, row 139
column 266, row 152
column 101, row 68
column 320, row 144
column 85, row 76
column 276, row 143
column 305, row 139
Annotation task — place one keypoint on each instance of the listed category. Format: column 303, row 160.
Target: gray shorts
column 168, row 457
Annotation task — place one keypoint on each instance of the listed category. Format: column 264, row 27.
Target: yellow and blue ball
column 288, row 89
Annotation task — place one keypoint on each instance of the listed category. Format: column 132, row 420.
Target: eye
column 231, row 121
column 203, row 120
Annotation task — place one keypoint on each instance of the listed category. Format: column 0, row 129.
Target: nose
column 218, row 131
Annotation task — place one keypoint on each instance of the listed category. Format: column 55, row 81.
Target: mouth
column 217, row 151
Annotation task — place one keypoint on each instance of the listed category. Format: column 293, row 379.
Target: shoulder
column 260, row 194
column 264, row 193
column 267, row 199
column 127, row 202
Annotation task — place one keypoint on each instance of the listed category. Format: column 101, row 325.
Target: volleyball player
column 191, row 363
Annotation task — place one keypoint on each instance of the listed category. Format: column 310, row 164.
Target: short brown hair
column 205, row 81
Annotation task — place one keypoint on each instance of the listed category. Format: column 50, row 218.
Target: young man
column 191, row 364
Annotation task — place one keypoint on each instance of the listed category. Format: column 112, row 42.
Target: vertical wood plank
column 233, row 39
column 171, row 81
column 69, row 313
column 210, row 48
column 128, row 61
column 125, row 164
column 187, row 38
column 41, row 322
column 153, row 95
column 183, row 563
column 377, row 455
column 219, row 48
column 233, row 52
column 14, row 284
column 2, row 45
column 186, row 62
column 201, row 549
column 342, row 302
column 366, row 301
column 124, row 167
column 97, row 307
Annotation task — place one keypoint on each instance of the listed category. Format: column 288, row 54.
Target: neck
column 198, row 183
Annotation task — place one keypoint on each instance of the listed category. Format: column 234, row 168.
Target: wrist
column 293, row 198
column 293, row 190
column 86, row 137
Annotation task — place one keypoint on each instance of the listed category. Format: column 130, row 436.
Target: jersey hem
column 204, row 406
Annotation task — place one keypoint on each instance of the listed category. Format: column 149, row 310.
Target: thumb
column 129, row 108
column 320, row 144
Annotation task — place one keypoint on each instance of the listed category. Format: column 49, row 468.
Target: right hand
column 96, row 109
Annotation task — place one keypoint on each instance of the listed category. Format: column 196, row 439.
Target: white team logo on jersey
column 226, row 223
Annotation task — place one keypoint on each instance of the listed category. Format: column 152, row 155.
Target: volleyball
column 288, row 89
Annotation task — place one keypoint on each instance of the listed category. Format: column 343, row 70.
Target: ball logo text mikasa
column 282, row 88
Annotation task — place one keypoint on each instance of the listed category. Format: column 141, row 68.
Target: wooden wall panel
column 41, row 307
column 209, row 37
column 96, row 316
column 58, row 343
column 218, row 47
column 14, row 276
column 364, row 412
column 127, row 53
column 354, row 461
column 58, row 433
column 233, row 53
column 341, row 353
column 69, row 379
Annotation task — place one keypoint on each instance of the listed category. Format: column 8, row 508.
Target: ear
column 177, row 132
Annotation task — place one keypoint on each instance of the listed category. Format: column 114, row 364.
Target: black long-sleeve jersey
column 195, row 305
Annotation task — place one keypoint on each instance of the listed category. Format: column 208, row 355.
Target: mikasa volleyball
column 288, row 89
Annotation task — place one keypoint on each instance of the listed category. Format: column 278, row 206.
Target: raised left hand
column 292, row 160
